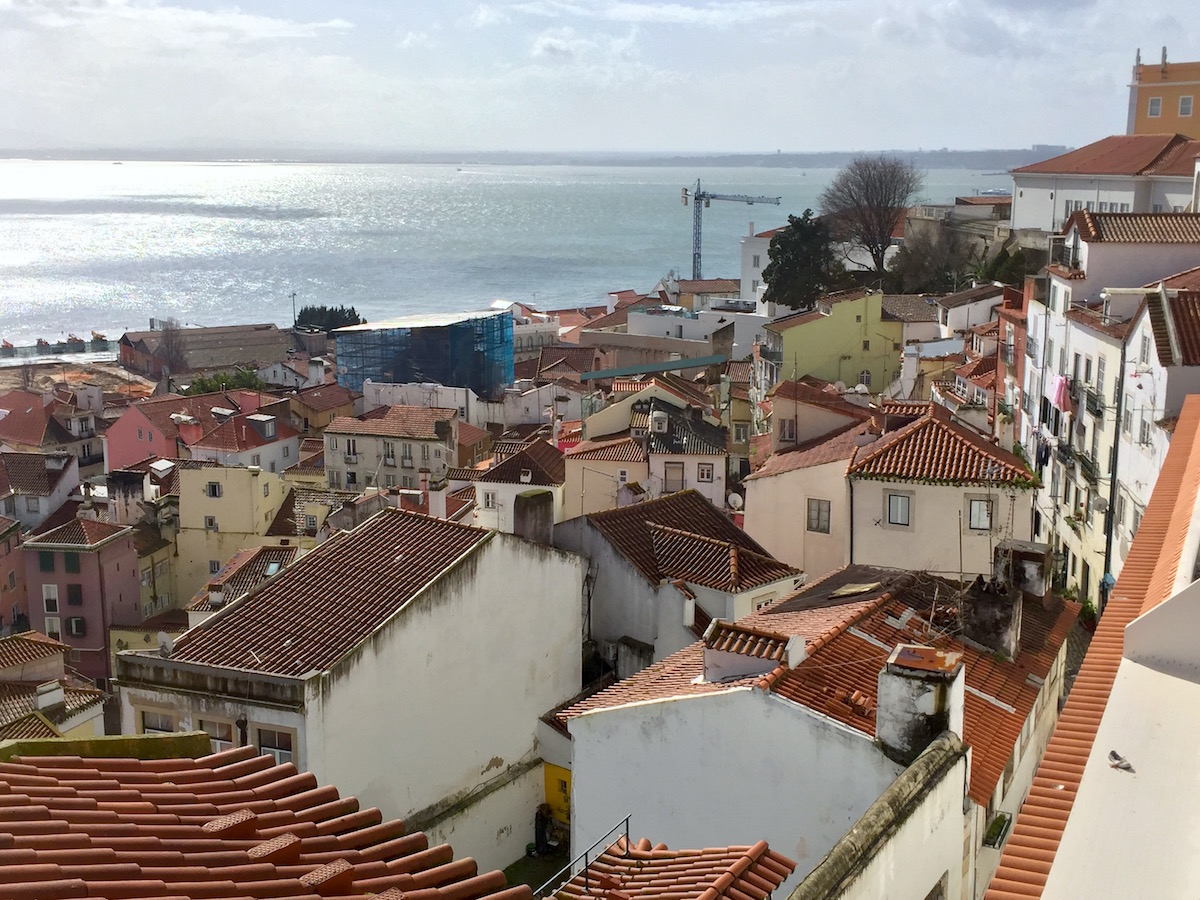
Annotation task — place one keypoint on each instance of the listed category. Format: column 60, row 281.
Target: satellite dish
column 166, row 644
column 1100, row 505
column 735, row 501
column 861, row 389
column 840, row 386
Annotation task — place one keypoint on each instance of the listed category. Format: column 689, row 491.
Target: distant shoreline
column 999, row 161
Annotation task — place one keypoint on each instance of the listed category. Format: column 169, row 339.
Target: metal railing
column 556, row 881
column 1089, row 468
column 1008, row 353
column 1031, row 349
column 1095, row 402
column 1065, row 454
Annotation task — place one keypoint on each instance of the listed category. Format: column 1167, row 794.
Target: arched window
column 518, row 344
column 864, row 377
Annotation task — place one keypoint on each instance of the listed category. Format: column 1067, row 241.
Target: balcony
column 1089, row 468
column 350, row 458
column 771, row 355
column 1095, row 403
column 1008, row 353
column 1065, row 454
column 390, row 461
column 1065, row 256
column 1031, row 349
column 406, row 462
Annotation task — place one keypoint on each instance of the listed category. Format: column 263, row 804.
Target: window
column 333, row 443
column 256, row 459
column 1090, row 206
column 899, row 510
column 1145, row 349
column 1119, row 511
column 71, row 563
column 424, row 451
column 1137, row 520
column 866, row 345
column 212, row 489
column 45, row 560
column 1156, row 208
column 266, row 489
column 864, row 377
column 210, row 523
column 672, row 477
column 310, row 523
column 220, row 734
column 33, row 504
column 1124, row 207
column 140, row 436
column 1127, row 417
column 1185, row 106
column 704, row 472
column 54, row 628
column 818, row 516
column 980, row 515
column 1154, row 108
column 276, row 743
column 74, row 595
column 858, row 319
column 1103, row 206
column 787, row 429
column 287, row 451
column 489, row 499
column 214, row 566
column 389, row 480
column 147, row 577
column 351, row 479
column 50, row 598
column 1143, row 428
column 741, row 433
column 157, row 722
column 756, row 257
column 622, row 476
column 1049, row 351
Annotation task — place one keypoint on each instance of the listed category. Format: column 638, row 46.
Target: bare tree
column 171, row 349
column 865, row 200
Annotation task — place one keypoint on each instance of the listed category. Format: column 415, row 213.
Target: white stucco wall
column 714, row 490
column 500, row 515
column 777, row 517
column 931, row 541
column 719, row 769
column 470, row 407
column 751, row 274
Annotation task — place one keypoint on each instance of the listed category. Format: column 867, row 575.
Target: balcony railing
column 351, row 458
column 1065, row 256
column 1095, row 402
column 1031, row 349
column 1065, row 454
column 1008, row 353
column 1089, row 468
column 389, row 461
column 770, row 355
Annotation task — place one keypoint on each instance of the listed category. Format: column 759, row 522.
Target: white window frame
column 823, row 515
column 787, row 430
column 489, row 499
column 213, row 490
column 1189, row 105
column 279, row 754
column 214, row 566
column 216, row 741
column 889, row 510
column 54, row 628
column 704, row 472
column 157, row 728
column 50, row 598
column 622, row 476
column 1154, row 108
column 974, row 505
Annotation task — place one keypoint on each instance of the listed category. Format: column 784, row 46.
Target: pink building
column 13, row 606
column 164, row 426
column 81, row 578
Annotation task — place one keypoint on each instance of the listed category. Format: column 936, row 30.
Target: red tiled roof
column 611, row 448
column 733, row 637
column 237, row 434
column 1147, row 579
column 323, row 397
column 32, row 725
column 719, row 564
column 245, row 570
column 29, row 422
column 158, row 410
column 19, row 698
column 325, row 603
column 290, row 520
column 576, row 358
column 1187, row 280
column 1094, row 319
column 232, row 824
column 418, row 423
column 1184, row 312
column 827, row 448
column 656, row 873
column 1136, row 228
column 28, row 473
column 802, row 392
column 977, row 367
column 709, row 286
column 971, row 295
column 739, row 371
column 469, row 434
column 934, row 448
column 1121, row 154
column 541, row 459
column 80, row 533
column 27, row 647
column 840, row 677
column 629, row 529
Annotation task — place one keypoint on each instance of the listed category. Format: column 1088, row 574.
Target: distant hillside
column 986, row 160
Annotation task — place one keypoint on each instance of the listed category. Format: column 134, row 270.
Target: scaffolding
column 471, row 350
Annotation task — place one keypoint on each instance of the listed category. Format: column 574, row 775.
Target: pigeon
column 1117, row 761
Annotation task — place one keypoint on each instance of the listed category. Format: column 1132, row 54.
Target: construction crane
column 701, row 199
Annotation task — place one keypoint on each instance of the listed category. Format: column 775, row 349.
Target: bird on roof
column 1117, row 761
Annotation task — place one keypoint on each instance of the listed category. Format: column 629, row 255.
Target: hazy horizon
column 572, row 76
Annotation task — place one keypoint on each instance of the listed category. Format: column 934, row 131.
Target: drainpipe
column 1113, row 487
column 850, row 483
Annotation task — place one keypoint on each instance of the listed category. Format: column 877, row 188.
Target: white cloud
column 415, row 39
column 484, row 15
column 560, row 43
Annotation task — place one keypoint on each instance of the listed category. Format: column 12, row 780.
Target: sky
column 575, row 75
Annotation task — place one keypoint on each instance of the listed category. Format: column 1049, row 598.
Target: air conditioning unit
column 76, row 626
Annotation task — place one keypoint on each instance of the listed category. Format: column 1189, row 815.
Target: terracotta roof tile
column 158, row 410
column 31, row 725
column 541, row 459
column 28, row 421
column 418, row 423
column 739, row 371
column 237, row 434
column 1147, row 579
column 245, row 570
column 827, row 448
column 146, row 828
column 292, row 518
column 323, row 397
column 709, row 286
column 1122, row 154
column 36, row 474
column 80, row 532
column 933, row 448
column 628, row 529
column 656, row 873
column 1136, row 228
column 719, row 564
column 971, row 295
column 910, row 307
column 27, row 647
column 576, row 358
column 1187, row 280
column 325, row 603
column 19, row 699
column 805, row 392
column 612, row 448
column 1183, row 311
column 469, row 434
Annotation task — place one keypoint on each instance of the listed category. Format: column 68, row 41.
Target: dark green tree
column 803, row 265
column 930, row 263
column 328, row 318
column 226, row 381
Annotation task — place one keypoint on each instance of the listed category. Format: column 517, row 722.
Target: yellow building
column 1162, row 98
column 846, row 338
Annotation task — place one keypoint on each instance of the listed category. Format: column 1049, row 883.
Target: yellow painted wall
column 832, row 347
column 1182, row 80
column 558, row 792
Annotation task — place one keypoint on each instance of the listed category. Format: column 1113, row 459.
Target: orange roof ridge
column 1146, row 580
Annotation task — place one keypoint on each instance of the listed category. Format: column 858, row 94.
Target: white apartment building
column 391, row 446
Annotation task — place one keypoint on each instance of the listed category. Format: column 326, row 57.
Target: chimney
column 751, row 230
column 437, row 501
column 1025, row 565
column 190, row 430
column 533, row 515
column 990, row 615
column 316, row 370
column 921, row 694
column 49, row 694
column 216, row 595
column 423, row 479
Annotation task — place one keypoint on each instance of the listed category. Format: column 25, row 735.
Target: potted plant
column 1087, row 616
